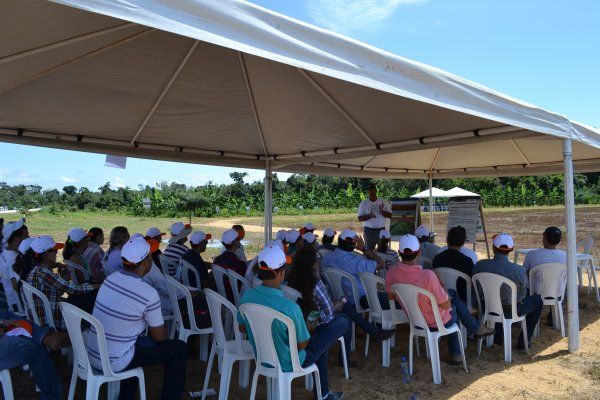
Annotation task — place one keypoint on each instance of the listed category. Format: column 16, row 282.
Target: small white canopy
column 435, row 192
column 460, row 192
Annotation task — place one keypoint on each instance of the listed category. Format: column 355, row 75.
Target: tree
column 70, row 190
column 238, row 177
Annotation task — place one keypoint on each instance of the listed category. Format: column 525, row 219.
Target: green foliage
column 300, row 194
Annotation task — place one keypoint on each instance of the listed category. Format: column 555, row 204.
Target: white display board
column 465, row 213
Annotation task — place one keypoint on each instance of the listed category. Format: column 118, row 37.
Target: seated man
column 156, row 234
column 327, row 241
column 428, row 249
column 347, row 260
column 177, row 247
column 312, row 348
column 531, row 306
column 548, row 254
column 294, row 241
column 384, row 250
column 13, row 235
column 126, row 306
column 229, row 260
column 451, row 308
column 453, row 258
column 240, row 251
column 198, row 241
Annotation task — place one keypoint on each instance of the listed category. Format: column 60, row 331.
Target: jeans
column 171, row 353
column 460, row 314
column 322, row 338
column 371, row 237
column 358, row 319
column 17, row 351
column 531, row 307
column 383, row 301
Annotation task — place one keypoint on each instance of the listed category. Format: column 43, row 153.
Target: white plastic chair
column 335, row 277
column 178, row 325
column 229, row 351
column 409, row 298
column 184, row 271
column 6, row 384
column 261, row 319
column 73, row 268
column 493, row 312
column 219, row 274
column 236, row 280
column 587, row 265
column 290, row 293
column 552, row 275
column 82, row 368
column 425, row 262
column 168, row 265
column 29, row 292
column 387, row 318
column 449, row 278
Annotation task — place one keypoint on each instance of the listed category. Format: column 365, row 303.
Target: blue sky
column 545, row 52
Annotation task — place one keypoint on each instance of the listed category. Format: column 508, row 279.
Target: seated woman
column 302, row 277
column 77, row 243
column 112, row 259
column 94, row 254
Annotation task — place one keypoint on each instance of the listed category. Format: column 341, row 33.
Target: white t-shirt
column 430, row 250
column 157, row 280
column 367, row 207
column 543, row 256
column 467, row 252
column 7, row 261
column 125, row 305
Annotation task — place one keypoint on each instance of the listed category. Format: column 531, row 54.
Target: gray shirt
column 500, row 265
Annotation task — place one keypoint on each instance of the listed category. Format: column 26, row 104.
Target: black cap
column 553, row 235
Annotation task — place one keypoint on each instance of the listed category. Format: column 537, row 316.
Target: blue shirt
column 500, row 265
column 352, row 263
column 275, row 299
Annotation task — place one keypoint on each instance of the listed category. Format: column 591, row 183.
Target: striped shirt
column 174, row 251
column 125, row 305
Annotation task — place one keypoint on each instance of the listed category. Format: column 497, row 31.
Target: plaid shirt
column 323, row 301
column 53, row 286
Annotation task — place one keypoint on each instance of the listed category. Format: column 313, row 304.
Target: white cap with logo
column 199, row 236
column 329, row 232
column 77, row 235
column 135, row 250
column 179, row 227
column 409, row 244
column 44, row 243
column 309, row 237
column 229, row 236
column 272, row 258
column 503, row 241
column 11, row 227
column 385, row 234
column 25, row 245
column 309, row 226
column 280, row 235
column 347, row 234
column 421, row 231
column 154, row 232
column 292, row 236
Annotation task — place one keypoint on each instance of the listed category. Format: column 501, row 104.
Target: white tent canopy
column 425, row 194
column 226, row 82
column 460, row 192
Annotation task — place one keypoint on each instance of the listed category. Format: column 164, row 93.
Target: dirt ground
column 548, row 372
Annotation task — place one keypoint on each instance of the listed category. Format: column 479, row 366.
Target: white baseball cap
column 385, row 234
column 309, row 226
column 25, row 245
column 10, row 227
column 503, row 241
column 329, row 232
column 136, row 235
column 347, row 234
column 277, row 243
column 136, row 250
column 280, row 235
column 229, row 236
column 292, row 236
column 272, row 258
column 77, row 235
column 309, row 237
column 179, row 227
column 44, row 243
column 154, row 232
column 421, row 231
column 409, row 244
column 199, row 236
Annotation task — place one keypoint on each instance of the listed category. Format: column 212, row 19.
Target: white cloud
column 345, row 16
column 68, row 180
column 119, row 182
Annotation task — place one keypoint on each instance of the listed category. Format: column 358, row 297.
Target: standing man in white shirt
column 374, row 213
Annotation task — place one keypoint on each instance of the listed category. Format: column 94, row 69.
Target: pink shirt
column 425, row 279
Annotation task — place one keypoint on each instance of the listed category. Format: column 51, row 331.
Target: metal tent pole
column 431, row 202
column 572, row 290
column 268, row 202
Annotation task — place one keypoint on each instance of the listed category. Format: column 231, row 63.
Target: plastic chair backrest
column 425, row 262
column 219, row 273
column 335, row 277
column 491, row 285
column 73, row 267
column 291, row 293
column 73, row 317
column 587, row 244
column 371, row 282
column 185, row 269
column 261, row 319
column 167, row 264
column 174, row 288
column 250, row 275
column 449, row 278
column 552, row 275
column 236, row 280
column 409, row 298
column 30, row 292
column 216, row 304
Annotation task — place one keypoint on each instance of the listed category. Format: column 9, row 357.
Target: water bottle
column 405, row 371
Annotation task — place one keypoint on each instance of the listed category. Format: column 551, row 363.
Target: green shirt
column 275, row 299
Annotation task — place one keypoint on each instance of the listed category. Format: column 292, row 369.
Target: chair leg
column 211, row 359
column 411, row 343
column 353, row 341
column 462, row 352
column 593, row 272
column 142, row 383
column 73, row 385
column 561, row 318
column 203, row 347
column 434, row 351
column 225, row 378
column 308, row 382
column 244, row 375
column 318, row 385
column 284, row 389
column 580, row 277
column 463, row 334
column 92, row 390
column 507, row 342
column 7, row 385
column 525, row 341
column 253, row 388
column 368, row 339
column 344, row 357
column 114, row 388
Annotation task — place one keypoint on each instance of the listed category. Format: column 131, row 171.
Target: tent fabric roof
column 425, row 193
column 460, row 192
column 226, row 82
